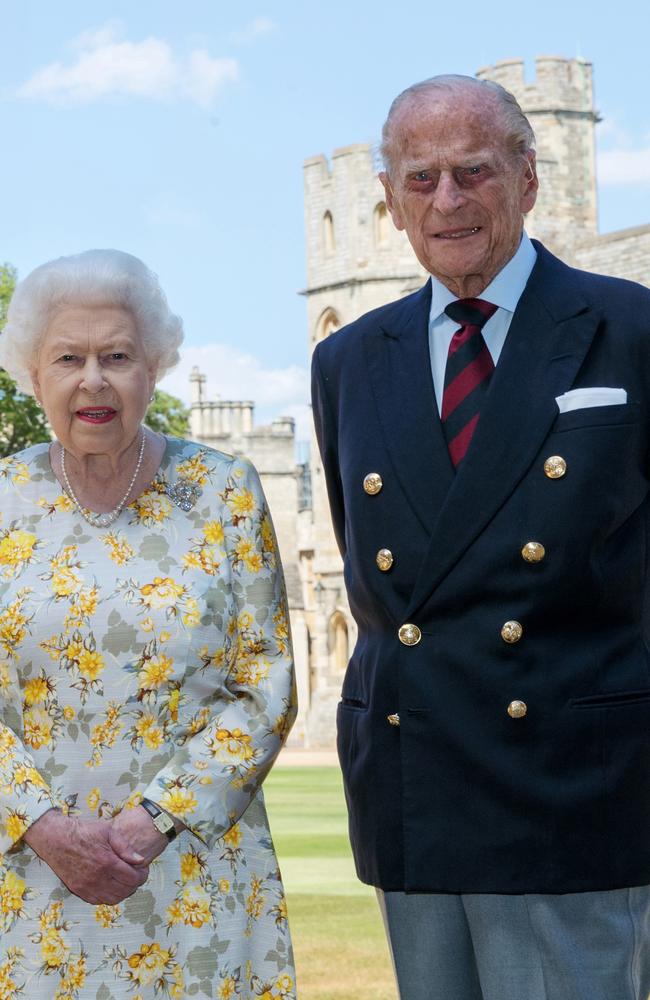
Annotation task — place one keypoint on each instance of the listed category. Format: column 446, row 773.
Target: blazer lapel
column 399, row 368
column 549, row 336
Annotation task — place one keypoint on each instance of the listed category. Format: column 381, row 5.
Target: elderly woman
column 146, row 679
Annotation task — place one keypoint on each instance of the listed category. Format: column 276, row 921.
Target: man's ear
column 529, row 196
column 391, row 203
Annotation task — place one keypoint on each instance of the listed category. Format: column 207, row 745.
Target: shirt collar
column 504, row 290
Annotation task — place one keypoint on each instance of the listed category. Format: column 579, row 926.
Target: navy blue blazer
column 460, row 796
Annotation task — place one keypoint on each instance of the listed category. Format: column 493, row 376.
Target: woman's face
column 93, row 379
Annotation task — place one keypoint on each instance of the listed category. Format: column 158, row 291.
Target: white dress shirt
column 504, row 291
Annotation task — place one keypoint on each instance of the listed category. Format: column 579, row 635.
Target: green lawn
column 338, row 936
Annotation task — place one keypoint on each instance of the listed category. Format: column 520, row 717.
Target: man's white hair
column 92, row 278
column 518, row 132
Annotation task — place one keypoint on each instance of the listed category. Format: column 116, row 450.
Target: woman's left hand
column 137, row 827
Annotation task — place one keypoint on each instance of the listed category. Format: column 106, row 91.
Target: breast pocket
column 598, row 416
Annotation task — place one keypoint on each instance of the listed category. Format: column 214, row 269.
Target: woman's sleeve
column 24, row 793
column 212, row 778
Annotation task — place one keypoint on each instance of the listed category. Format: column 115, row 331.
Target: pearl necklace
column 106, row 518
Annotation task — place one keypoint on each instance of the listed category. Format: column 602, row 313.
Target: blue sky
column 177, row 131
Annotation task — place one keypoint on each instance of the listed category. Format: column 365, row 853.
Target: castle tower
column 559, row 105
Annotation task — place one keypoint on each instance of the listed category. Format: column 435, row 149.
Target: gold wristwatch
column 161, row 820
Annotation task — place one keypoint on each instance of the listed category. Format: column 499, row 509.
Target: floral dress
column 151, row 658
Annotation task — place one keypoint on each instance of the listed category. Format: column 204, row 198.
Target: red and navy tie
column 467, row 375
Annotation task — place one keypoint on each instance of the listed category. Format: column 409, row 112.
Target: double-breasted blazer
column 504, row 746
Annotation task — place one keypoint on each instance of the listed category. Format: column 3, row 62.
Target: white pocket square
column 578, row 399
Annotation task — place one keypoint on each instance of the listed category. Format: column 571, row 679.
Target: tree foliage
column 22, row 422
column 168, row 415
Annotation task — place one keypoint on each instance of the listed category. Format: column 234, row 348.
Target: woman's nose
column 92, row 377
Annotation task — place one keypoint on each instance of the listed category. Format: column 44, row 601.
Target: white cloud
column 624, row 166
column 107, row 66
column 233, row 374
column 258, row 26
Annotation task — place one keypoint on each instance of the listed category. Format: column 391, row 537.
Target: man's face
column 456, row 189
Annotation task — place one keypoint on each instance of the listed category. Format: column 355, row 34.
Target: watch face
column 164, row 823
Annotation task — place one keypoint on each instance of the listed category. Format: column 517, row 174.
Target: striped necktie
column 467, row 375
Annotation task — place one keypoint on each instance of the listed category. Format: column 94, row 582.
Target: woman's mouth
column 96, row 414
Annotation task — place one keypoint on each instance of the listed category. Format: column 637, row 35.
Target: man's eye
column 423, row 175
column 68, row 357
column 117, row 356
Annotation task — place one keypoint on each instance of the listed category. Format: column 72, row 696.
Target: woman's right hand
column 91, row 857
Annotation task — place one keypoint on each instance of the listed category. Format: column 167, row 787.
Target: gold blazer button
column 512, row 631
column 410, row 635
column 393, row 719
column 555, row 467
column 373, row 483
column 533, row 552
column 517, row 709
column 384, row 560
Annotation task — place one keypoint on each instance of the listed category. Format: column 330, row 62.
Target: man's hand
column 93, row 859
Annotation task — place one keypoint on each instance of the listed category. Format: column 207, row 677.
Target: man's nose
column 448, row 195
column 92, row 379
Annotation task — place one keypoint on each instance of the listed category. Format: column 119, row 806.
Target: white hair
column 518, row 132
column 92, row 278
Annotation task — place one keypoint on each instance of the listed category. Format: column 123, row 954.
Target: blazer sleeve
column 212, row 778
column 327, row 436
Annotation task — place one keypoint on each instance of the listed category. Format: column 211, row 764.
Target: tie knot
column 471, row 312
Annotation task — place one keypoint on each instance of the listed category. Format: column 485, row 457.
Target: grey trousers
column 579, row 946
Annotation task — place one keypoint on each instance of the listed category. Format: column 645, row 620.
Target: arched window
column 328, row 233
column 338, row 642
column 382, row 224
column 328, row 323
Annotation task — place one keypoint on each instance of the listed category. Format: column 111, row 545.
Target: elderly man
column 485, row 442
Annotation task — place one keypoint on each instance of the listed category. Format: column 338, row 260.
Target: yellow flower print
column 147, row 624
column 65, row 581
column 12, row 896
column 194, row 469
column 5, row 677
column 224, row 885
column 20, row 474
column 7, row 740
column 155, row 672
column 179, row 801
column 90, row 664
column 35, row 690
column 255, row 900
column 228, row 988
column 190, row 867
column 247, row 554
column 53, row 948
column 213, row 532
column 228, row 745
column 119, row 549
column 92, row 799
column 68, row 712
column 164, row 636
column 267, row 534
column 192, row 560
column 191, row 908
column 16, row 824
column 16, row 551
column 107, row 916
column 233, row 837
column 150, row 509
column 148, row 963
column 37, row 728
column 61, row 504
column 82, row 607
column 242, row 503
column 192, row 614
column 153, row 738
column 285, row 983
column 163, row 592
column 104, row 735
column 13, row 624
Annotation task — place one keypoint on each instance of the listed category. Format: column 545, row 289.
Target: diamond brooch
column 183, row 493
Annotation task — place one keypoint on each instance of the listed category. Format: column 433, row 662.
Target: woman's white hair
column 92, row 278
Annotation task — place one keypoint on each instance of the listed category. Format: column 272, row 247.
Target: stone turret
column 559, row 105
